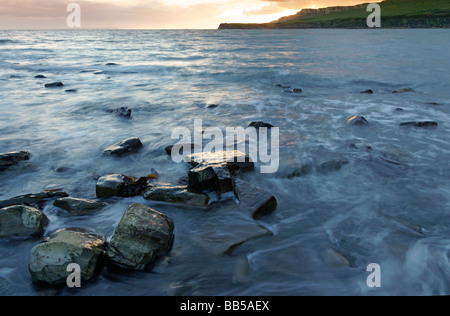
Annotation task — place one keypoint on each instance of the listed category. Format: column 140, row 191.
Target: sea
column 387, row 207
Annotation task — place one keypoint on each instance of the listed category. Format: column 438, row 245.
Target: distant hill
column 394, row 14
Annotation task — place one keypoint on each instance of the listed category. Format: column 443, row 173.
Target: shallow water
column 390, row 205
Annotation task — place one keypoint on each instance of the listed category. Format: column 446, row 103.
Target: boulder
column 9, row 159
column 49, row 260
column 123, row 112
column 78, row 206
column 260, row 124
column 142, row 235
column 22, row 221
column 120, row 185
column 34, row 199
column 255, row 201
column 175, row 194
column 128, row 146
column 54, row 84
column 357, row 120
column 425, row 124
column 215, row 171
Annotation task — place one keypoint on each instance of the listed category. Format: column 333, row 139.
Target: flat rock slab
column 224, row 233
column 142, row 234
column 78, row 206
column 425, row 124
column 176, row 194
column 128, row 146
column 9, row 159
column 22, row 221
column 34, row 199
column 254, row 200
column 49, row 260
column 54, row 84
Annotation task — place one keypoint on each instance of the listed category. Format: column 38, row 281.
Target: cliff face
column 312, row 13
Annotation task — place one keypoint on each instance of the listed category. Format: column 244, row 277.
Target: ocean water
column 389, row 205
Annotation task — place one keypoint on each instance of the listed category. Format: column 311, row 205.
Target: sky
column 151, row 14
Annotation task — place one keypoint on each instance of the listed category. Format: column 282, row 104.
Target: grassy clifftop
column 394, row 14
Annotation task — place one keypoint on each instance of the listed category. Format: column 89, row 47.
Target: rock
column 215, row 171
column 9, row 159
column 34, row 199
column 123, row 111
column 332, row 165
column 399, row 110
column 22, row 221
column 78, row 206
column 178, row 147
column 128, row 146
column 54, row 84
column 71, row 90
column 225, row 233
column 120, row 185
column 260, row 124
column 403, row 90
column 40, row 77
column 433, row 103
column 368, row 91
column 49, row 260
column 212, row 106
column 279, row 85
column 254, row 200
column 176, row 194
column 335, row 259
column 98, row 72
column 301, row 172
column 426, row 124
column 141, row 236
column 111, row 64
column 297, row 90
column 89, row 70
column 357, row 120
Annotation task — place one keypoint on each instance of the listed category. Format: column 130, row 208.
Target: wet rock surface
column 175, row 194
column 78, row 206
column 12, row 158
column 357, row 120
column 424, row 124
column 49, row 260
column 255, row 201
column 128, row 146
column 22, row 221
column 34, row 199
column 120, row 185
column 142, row 235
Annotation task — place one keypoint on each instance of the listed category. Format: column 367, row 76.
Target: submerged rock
column 123, row 111
column 297, row 90
column 176, row 194
column 212, row 106
column 215, row 171
column 367, row 91
column 357, row 120
column 120, row 185
column 54, row 84
column 426, row 124
column 49, row 260
column 128, row 146
column 335, row 259
column 260, row 124
column 332, row 165
column 71, row 91
column 9, row 159
column 78, row 206
column 141, row 236
column 40, row 77
column 301, row 172
column 34, row 199
column 254, row 200
column 178, row 147
column 279, row 85
column 403, row 90
column 22, row 221
column 111, row 64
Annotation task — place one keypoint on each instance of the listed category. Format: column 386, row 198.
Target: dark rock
column 123, row 111
column 22, row 221
column 54, row 84
column 301, row 172
column 98, row 72
column 111, row 64
column 34, row 199
column 49, row 260
column 141, row 236
column 254, row 200
column 214, row 171
column 297, row 90
column 403, row 90
column 433, row 103
column 120, row 185
column 425, row 124
column 71, row 90
column 40, row 77
column 368, row 91
column 128, row 146
column 212, row 106
column 399, row 109
column 9, row 159
column 332, row 165
column 175, row 194
column 63, row 169
column 78, row 206
column 260, row 124
column 282, row 86
column 357, row 120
